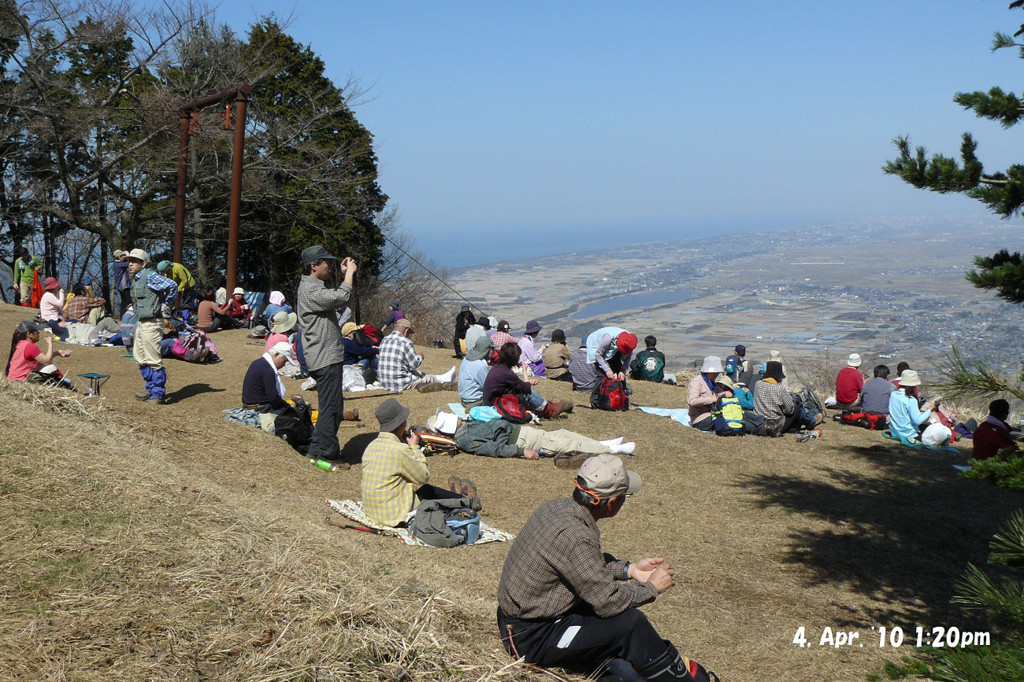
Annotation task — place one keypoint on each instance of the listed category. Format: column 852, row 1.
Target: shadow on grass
column 186, row 392
column 352, row 450
column 902, row 536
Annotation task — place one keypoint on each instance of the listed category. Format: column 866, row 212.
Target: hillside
column 145, row 542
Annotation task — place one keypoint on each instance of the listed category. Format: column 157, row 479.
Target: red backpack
column 610, row 394
column 513, row 408
column 874, row 422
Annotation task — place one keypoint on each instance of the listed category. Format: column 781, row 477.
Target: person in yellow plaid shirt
column 395, row 469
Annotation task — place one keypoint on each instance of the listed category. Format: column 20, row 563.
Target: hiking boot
column 571, row 460
column 351, row 415
column 142, row 396
column 450, row 386
column 157, row 401
column 432, row 387
column 818, row 418
column 555, row 408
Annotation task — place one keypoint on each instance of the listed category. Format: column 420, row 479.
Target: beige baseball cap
column 607, row 477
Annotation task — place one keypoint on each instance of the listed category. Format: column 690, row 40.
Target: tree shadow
column 902, row 537
column 191, row 390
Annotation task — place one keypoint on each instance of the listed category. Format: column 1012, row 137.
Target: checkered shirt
column 392, row 471
column 501, row 338
column 556, row 563
column 79, row 307
column 397, row 362
column 773, row 402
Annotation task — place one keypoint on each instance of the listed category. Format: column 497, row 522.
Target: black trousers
column 331, row 407
column 583, row 642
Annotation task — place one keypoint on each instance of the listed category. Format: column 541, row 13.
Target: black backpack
column 295, row 425
column 611, row 395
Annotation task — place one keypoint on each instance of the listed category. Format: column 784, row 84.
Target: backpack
column 512, row 408
column 810, row 402
column 372, row 334
column 610, row 394
column 362, row 339
column 295, row 425
column 732, row 365
column 872, row 422
column 438, row 443
column 728, row 418
column 194, row 348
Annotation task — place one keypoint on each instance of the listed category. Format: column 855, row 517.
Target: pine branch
column 973, row 379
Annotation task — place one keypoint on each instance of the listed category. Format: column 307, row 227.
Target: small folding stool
column 93, row 381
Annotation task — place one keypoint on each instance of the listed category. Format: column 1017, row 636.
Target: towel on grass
column 678, row 414
column 458, row 410
column 916, row 445
column 353, row 509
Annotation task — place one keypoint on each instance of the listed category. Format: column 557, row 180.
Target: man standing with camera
column 563, row 603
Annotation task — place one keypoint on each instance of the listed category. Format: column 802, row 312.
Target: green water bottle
column 324, row 464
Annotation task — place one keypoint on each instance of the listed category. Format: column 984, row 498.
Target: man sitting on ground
column 584, row 375
column 395, row 469
column 262, row 389
column 478, row 329
column 398, row 361
column 993, row 434
column 563, row 603
column 874, row 397
column 502, row 335
column 649, row 364
column 473, row 372
column 849, row 383
column 556, row 358
column 782, row 413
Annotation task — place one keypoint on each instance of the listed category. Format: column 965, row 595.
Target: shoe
column 450, row 386
column 623, row 448
column 432, row 387
column 613, row 441
column 554, row 408
column 571, row 460
column 157, row 401
column 455, row 484
column 818, row 418
column 142, row 396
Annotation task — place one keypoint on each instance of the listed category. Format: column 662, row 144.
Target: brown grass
column 144, row 542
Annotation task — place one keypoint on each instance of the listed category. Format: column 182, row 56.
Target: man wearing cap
column 364, row 356
column 262, row 389
column 122, row 280
column 473, row 372
column 849, row 383
column 463, row 321
column 479, row 328
column 611, row 349
column 532, row 356
column 564, row 603
column 398, row 361
column 781, row 412
column 322, row 346
column 151, row 294
column 395, row 469
column 182, row 277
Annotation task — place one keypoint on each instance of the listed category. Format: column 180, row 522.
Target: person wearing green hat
column 322, row 345
column 182, row 277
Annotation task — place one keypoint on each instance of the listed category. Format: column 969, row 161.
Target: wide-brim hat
column 48, row 369
column 118, row 253
column 853, row 360
column 910, row 377
column 712, row 364
column 773, row 370
column 443, row 422
column 464, row 309
column 391, row 414
column 775, row 355
column 481, row 348
column 625, row 342
column 315, row 253
column 724, row 380
column 282, row 322
column 51, row 283
column 349, row 327
column 238, row 290
column 394, row 304
column 533, row 327
column 607, row 477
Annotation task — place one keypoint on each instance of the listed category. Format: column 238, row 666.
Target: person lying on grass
column 501, row 438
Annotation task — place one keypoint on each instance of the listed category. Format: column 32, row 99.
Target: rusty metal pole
column 241, row 98
column 179, row 202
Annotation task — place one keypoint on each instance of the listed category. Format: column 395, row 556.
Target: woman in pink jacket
column 702, row 393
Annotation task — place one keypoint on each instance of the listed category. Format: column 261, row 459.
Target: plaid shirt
column 316, row 305
column 501, row 338
column 78, row 308
column 397, row 362
column 773, row 402
column 392, row 471
column 556, row 564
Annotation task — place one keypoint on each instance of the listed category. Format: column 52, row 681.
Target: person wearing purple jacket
column 531, row 355
column 502, row 379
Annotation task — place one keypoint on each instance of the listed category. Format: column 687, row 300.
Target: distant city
column 890, row 290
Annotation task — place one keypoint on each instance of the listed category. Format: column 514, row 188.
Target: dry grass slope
column 142, row 542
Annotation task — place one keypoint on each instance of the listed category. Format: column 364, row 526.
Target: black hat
column 391, row 414
column 31, row 326
column 315, row 253
column 465, row 308
column 773, row 370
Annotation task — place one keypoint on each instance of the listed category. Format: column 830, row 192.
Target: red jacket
column 990, row 438
column 848, row 385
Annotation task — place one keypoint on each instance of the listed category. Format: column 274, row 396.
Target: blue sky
column 559, row 124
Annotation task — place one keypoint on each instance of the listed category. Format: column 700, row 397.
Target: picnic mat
column 918, row 446
column 353, row 509
column 678, row 414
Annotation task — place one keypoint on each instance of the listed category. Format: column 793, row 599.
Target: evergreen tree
column 1002, row 192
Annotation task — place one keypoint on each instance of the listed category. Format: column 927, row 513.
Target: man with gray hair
column 564, row 603
column 262, row 389
column 322, row 347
